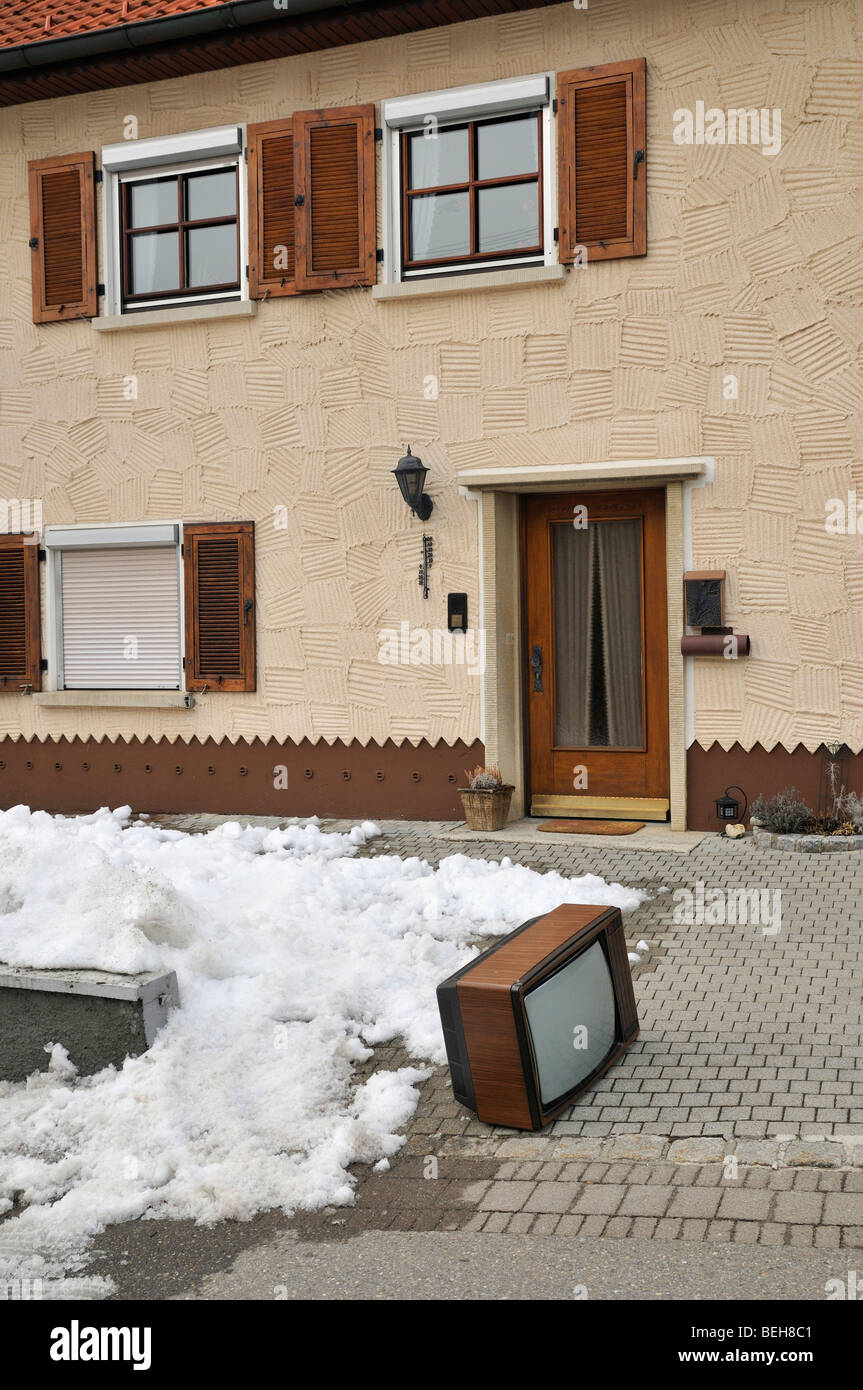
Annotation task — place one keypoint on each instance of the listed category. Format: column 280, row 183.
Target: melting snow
column 293, row 957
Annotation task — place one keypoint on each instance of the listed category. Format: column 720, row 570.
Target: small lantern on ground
column 728, row 806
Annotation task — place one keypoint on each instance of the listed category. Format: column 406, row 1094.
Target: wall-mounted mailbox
column 704, row 608
column 723, row 642
column 456, row 612
column 704, row 598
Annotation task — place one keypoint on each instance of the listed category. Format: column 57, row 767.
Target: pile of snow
column 293, row 958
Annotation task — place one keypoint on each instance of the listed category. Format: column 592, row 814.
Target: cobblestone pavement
column 750, row 1048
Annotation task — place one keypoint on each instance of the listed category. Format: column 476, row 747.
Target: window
column 152, row 606
column 472, row 192
column 469, row 179
column 117, row 607
column 180, row 234
column 480, row 178
column 174, row 221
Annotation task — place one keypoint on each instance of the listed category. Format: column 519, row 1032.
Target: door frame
column 497, row 490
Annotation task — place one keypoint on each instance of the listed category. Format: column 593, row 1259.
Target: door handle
column 536, row 667
column 247, row 608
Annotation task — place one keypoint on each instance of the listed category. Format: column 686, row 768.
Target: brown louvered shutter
column 271, row 209
column 602, row 177
column 219, row 565
column 20, row 650
column 63, row 237
column 334, row 154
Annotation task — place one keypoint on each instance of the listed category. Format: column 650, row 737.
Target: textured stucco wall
column 755, row 267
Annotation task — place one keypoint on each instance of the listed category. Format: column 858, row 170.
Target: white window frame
column 100, row 536
column 133, row 160
column 452, row 105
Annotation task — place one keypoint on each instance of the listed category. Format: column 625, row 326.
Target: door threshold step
column 590, row 827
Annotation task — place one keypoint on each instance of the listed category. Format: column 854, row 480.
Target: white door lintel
column 564, row 476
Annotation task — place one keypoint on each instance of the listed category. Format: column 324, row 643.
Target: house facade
column 599, row 267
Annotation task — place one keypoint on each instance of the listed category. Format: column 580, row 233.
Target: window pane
column 508, row 217
column 155, row 262
column 211, row 195
column 211, row 255
column 153, row 204
column 440, row 226
column 438, row 158
column 505, row 148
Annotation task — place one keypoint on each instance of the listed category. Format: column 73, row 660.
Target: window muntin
column 472, row 192
column 192, row 248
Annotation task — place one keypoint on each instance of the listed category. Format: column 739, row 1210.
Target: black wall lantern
column 410, row 476
column 728, row 807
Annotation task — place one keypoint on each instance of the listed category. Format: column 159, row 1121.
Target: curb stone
column 764, row 1153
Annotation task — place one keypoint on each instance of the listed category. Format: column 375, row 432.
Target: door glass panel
column 599, row 694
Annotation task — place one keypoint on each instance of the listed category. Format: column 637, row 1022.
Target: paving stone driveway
column 751, row 1048
column 744, row 1034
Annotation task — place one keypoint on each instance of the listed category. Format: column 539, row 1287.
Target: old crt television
column 533, row 1021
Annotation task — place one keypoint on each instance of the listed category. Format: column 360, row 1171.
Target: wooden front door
column 597, row 654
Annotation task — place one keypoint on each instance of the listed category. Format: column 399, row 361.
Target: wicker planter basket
column 486, row 810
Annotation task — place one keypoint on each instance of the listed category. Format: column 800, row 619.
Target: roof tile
column 33, row 21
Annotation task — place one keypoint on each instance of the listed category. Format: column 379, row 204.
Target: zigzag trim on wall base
column 235, row 740
column 790, row 745
column 260, row 777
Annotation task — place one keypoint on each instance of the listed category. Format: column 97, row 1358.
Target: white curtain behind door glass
column 597, row 635
column 573, row 554
column 619, row 593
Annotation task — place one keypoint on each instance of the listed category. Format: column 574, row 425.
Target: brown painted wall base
column 390, row 781
column 710, row 770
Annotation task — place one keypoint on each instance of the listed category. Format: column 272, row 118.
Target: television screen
column 538, row 1017
column 571, row 1023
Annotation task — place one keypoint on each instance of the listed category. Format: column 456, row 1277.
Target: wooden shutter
column 20, row 649
column 602, row 177
column 334, row 154
column 271, row 208
column 219, row 564
column 63, row 237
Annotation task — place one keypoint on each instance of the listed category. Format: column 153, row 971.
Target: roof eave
column 144, row 33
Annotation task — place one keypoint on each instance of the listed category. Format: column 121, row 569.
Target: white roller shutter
column 121, row 619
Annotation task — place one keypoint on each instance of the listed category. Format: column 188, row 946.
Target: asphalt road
column 394, row 1265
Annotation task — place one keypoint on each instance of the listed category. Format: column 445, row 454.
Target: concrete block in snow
column 99, row 1018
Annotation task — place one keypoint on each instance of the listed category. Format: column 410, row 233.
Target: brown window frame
column 474, row 256
column 181, row 227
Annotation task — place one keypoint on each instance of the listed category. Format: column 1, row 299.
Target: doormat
column 591, row 827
